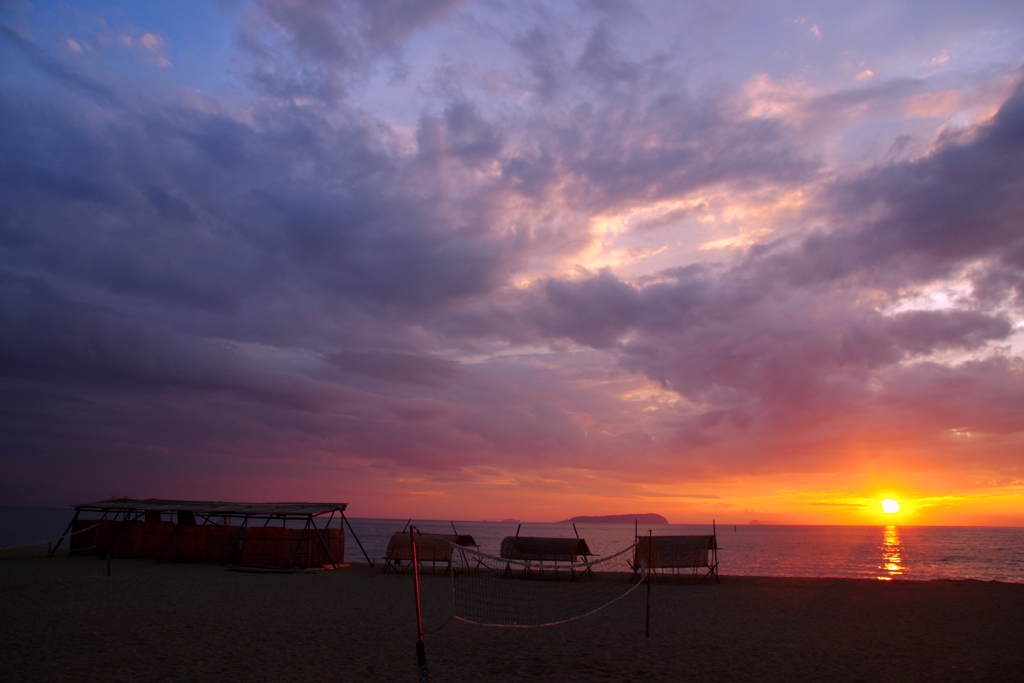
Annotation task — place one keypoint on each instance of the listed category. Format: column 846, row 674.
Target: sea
column 860, row 552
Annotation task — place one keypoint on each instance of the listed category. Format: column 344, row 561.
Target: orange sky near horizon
column 833, row 499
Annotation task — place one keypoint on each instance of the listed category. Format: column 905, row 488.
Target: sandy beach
column 65, row 620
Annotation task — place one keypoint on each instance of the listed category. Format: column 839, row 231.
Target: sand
column 64, row 619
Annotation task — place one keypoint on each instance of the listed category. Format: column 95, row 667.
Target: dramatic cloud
column 449, row 258
column 313, row 48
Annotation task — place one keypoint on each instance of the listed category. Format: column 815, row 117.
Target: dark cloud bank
column 189, row 295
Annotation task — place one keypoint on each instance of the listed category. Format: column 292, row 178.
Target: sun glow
column 890, row 506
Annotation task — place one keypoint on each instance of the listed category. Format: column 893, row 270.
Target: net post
column 650, row 563
column 714, row 549
column 421, row 654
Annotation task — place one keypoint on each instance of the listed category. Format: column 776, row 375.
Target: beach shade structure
column 432, row 548
column 536, row 550
column 675, row 554
column 280, row 535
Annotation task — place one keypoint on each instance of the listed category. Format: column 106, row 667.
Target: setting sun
column 890, row 506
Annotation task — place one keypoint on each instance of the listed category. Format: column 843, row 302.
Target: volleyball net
column 498, row 591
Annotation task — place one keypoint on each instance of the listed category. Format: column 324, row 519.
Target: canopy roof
column 212, row 508
column 545, row 549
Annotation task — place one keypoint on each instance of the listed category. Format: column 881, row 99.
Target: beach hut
column 284, row 535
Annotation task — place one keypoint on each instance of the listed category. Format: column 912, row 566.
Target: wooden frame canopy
column 148, row 535
column 694, row 552
column 431, row 548
column 213, row 509
column 557, row 551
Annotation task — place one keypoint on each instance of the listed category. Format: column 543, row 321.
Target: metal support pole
column 323, row 543
column 421, row 653
column 71, row 524
column 650, row 564
column 714, row 549
column 345, row 519
column 298, row 546
column 238, row 534
column 170, row 538
column 110, row 547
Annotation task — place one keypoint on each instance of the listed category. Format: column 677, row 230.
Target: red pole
column 421, row 653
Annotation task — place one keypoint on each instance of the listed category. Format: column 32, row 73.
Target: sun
column 890, row 506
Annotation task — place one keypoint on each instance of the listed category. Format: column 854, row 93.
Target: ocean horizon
column 840, row 551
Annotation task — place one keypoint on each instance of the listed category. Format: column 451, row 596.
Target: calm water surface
column 881, row 552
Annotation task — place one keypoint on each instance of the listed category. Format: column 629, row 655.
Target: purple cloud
column 407, row 243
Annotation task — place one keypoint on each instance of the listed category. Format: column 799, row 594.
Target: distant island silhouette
column 645, row 518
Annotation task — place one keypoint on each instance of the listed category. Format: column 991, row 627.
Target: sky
column 483, row 260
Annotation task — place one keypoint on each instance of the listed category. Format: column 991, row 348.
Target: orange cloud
column 933, row 105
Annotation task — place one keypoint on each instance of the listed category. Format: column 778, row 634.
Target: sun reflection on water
column 892, row 554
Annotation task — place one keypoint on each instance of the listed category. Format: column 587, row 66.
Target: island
column 644, row 518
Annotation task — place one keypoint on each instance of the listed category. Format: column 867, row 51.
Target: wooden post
column 421, row 653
